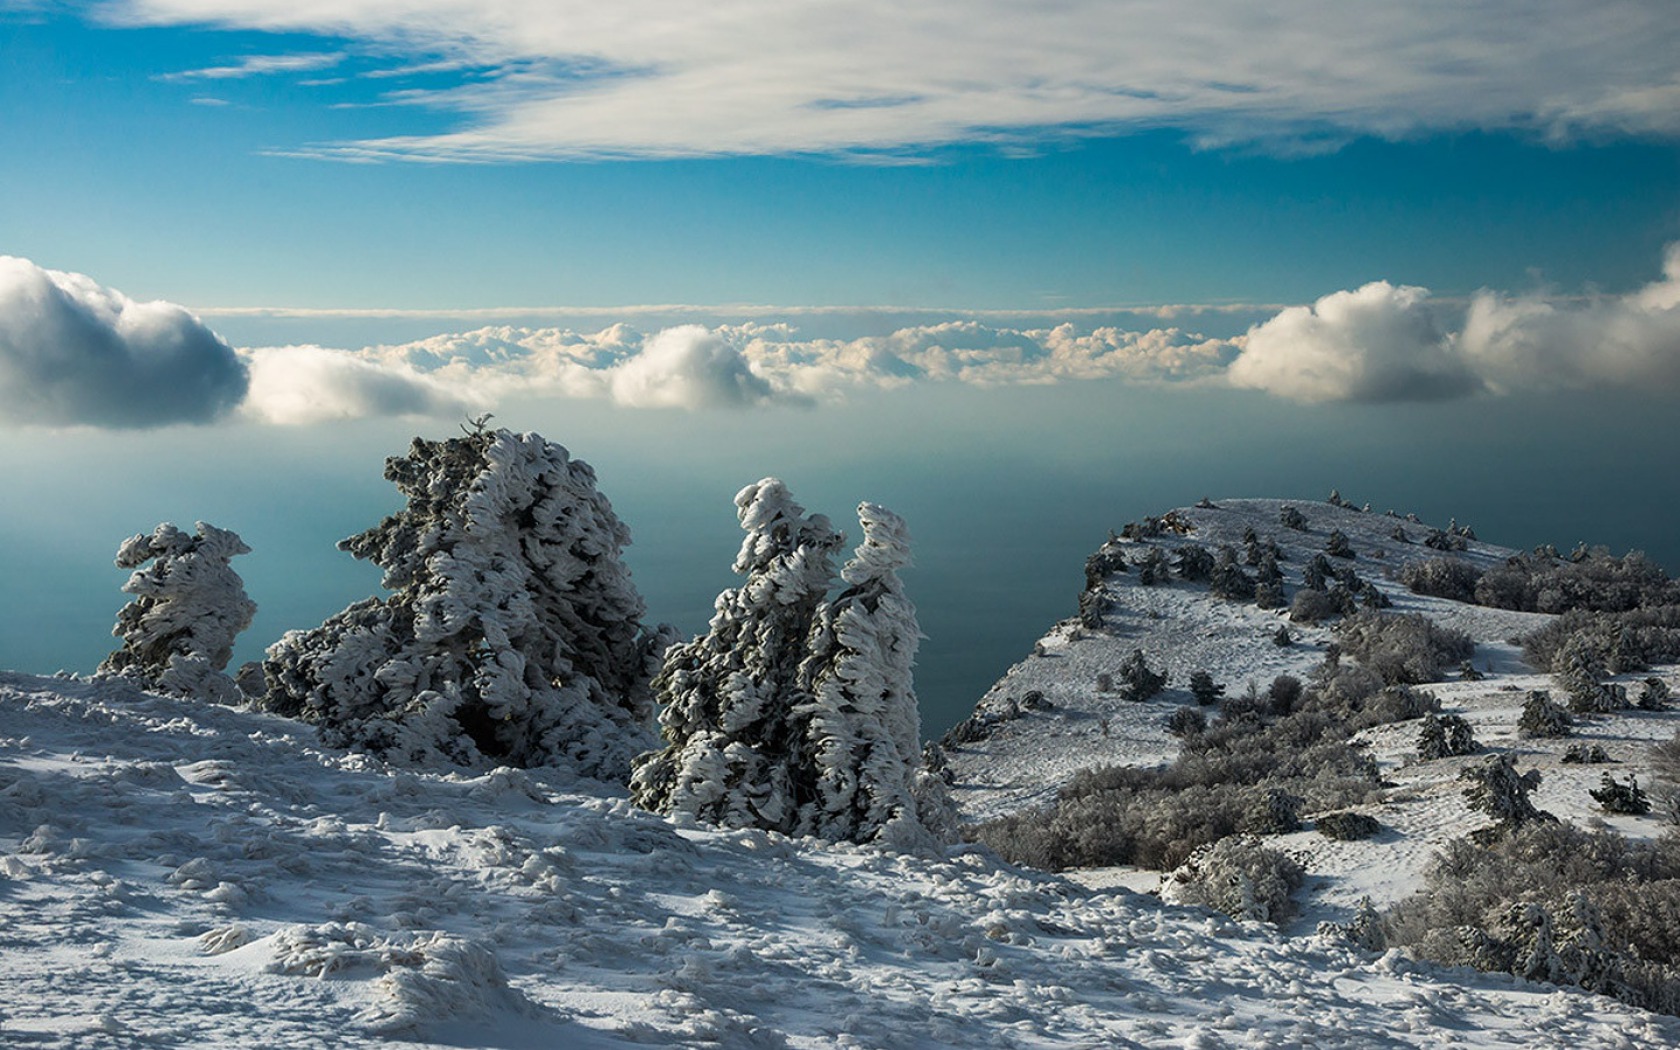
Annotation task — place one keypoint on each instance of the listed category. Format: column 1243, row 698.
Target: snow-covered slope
column 179, row 874
column 1181, row 627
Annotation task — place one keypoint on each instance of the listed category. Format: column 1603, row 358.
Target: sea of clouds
column 75, row 353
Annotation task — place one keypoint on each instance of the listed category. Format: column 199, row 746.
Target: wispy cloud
column 74, row 353
column 260, row 65
column 660, row 78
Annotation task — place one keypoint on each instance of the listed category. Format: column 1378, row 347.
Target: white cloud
column 75, row 353
column 310, row 384
column 1387, row 343
column 687, row 367
column 260, row 65
column 560, row 78
column 1379, row 343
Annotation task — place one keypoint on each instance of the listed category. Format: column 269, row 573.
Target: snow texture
column 189, row 605
column 731, row 754
column 177, row 873
column 860, row 729
column 513, row 635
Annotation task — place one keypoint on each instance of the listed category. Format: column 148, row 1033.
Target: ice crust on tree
column 728, row 695
column 513, row 633
column 861, row 728
column 793, row 714
column 189, row 605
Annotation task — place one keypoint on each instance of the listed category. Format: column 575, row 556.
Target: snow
column 1182, row 628
column 176, row 873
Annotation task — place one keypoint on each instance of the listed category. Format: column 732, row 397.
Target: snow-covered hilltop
column 176, row 873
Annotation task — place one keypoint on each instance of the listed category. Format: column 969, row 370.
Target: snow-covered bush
column 1445, row 736
column 1154, row 568
column 189, row 605
column 1140, row 683
column 1551, row 902
column 1186, row 721
column 1107, row 560
column 1403, row 648
column 730, row 756
column 1497, row 789
column 1192, row 563
column 1585, row 755
column 1237, row 876
column 1291, row 518
column 1313, row 606
column 1274, row 811
column 1617, row 797
column 1337, row 545
column 1204, row 688
column 1543, row 718
column 1227, row 580
column 1653, row 695
column 513, row 633
column 1450, row 578
column 1579, row 671
column 1346, row 826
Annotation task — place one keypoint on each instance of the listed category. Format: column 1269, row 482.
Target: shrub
column 1186, row 721
column 1585, row 755
column 1240, row 877
column 1497, row 789
column 1543, row 718
column 1337, row 546
column 1445, row 736
column 1192, row 563
column 1204, row 689
column 1346, row 826
column 1107, row 560
column 1141, row 683
column 1282, row 638
column 1448, row 578
column 1290, row 518
column 1665, row 758
column 1227, row 580
column 1404, row 648
column 1617, row 797
column 1284, row 694
column 1274, row 811
column 1444, row 541
column 1311, row 607
column 1153, row 569
column 1653, row 695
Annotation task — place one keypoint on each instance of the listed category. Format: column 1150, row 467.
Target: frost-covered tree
column 1543, row 718
column 1579, row 668
column 1290, row 518
column 731, row 754
column 859, row 731
column 1141, row 683
column 1206, row 691
column 1497, row 789
column 189, row 605
column 1337, row 546
column 1617, row 797
column 513, row 633
column 1445, row 736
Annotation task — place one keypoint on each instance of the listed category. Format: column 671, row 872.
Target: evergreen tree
column 731, row 755
column 1497, row 789
column 1141, row 682
column 189, row 605
column 513, row 633
column 1543, row 718
column 1204, row 689
column 1444, row 736
column 859, row 731
column 1337, row 545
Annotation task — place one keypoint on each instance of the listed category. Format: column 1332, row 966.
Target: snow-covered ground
column 180, row 874
column 1182, row 628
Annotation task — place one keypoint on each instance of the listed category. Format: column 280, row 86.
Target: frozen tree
column 1204, row 688
column 1579, row 669
column 730, row 756
column 1617, row 797
column 1444, row 736
column 1497, row 789
column 1290, row 518
column 1141, row 682
column 1543, row 718
column 1337, row 546
column 859, row 731
column 189, row 605
column 513, row 633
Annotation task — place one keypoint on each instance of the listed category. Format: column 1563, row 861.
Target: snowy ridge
column 1181, row 627
column 175, row 873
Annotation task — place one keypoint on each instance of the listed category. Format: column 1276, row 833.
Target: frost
column 188, row 607
column 513, row 633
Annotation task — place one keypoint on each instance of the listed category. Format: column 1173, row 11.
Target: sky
column 1028, row 270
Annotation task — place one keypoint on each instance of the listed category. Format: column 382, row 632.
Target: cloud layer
column 1388, row 343
column 75, row 353
column 567, row 78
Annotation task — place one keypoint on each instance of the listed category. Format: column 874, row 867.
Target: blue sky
column 1021, row 271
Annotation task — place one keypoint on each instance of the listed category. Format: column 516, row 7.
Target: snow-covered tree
column 731, row 753
column 1444, row 736
column 189, row 605
column 1497, row 789
column 513, row 633
column 859, row 731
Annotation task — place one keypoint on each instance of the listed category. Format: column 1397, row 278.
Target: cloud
column 688, row 367
column 1379, row 343
column 259, row 65
column 1388, row 343
column 75, row 353
column 310, row 384
column 656, row 78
